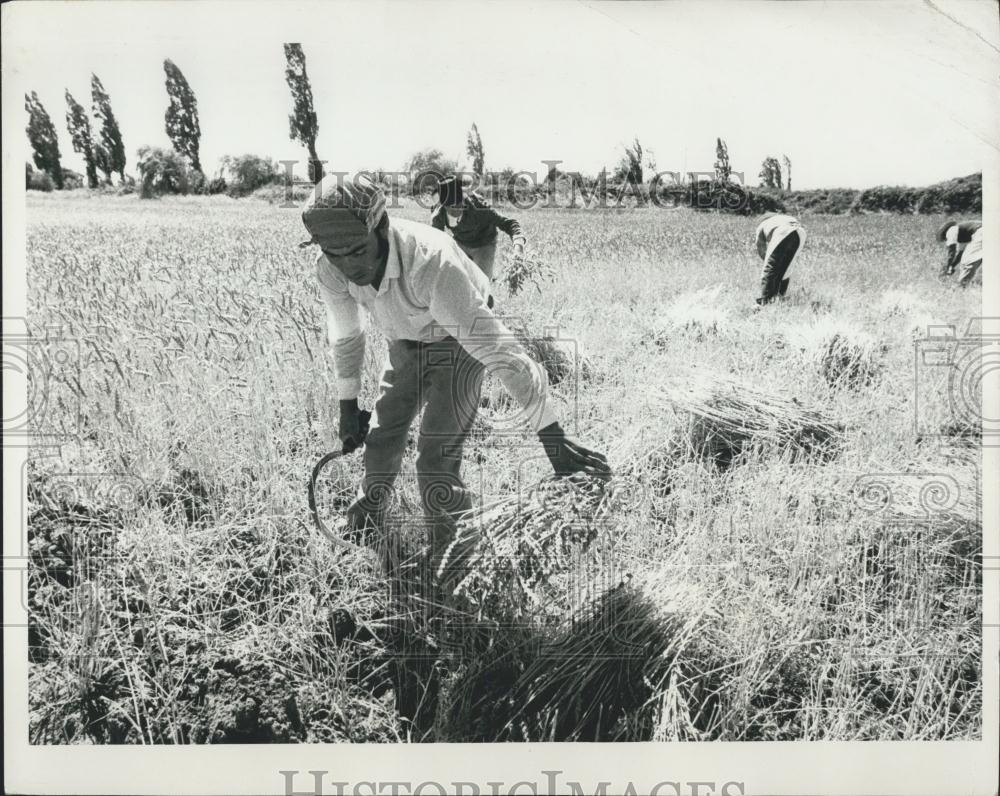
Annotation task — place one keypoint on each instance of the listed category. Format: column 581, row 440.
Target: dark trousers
column 772, row 281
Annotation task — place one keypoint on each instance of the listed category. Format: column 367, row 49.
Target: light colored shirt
column 773, row 229
column 430, row 290
column 953, row 237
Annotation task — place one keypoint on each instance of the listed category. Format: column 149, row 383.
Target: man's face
column 454, row 214
column 358, row 262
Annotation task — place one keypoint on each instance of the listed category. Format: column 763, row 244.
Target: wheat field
column 767, row 588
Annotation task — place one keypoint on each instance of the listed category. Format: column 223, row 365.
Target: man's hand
column 570, row 457
column 353, row 425
column 761, row 246
column 951, row 261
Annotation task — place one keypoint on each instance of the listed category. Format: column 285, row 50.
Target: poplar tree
column 303, row 125
column 770, row 173
column 182, row 115
column 476, row 152
column 722, row 168
column 43, row 139
column 83, row 139
column 112, row 150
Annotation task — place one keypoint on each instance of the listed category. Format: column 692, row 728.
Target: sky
column 854, row 93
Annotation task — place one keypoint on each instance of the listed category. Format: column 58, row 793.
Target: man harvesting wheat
column 963, row 241
column 474, row 224
column 779, row 239
column 435, row 309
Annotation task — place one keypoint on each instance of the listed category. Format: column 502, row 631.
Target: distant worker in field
column 435, row 309
column 964, row 243
column 474, row 224
column 779, row 239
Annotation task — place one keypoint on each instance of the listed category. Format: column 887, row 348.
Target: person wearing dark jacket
column 964, row 243
column 474, row 223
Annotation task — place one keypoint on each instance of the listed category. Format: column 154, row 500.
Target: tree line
column 101, row 146
column 98, row 138
column 102, row 152
column 180, row 170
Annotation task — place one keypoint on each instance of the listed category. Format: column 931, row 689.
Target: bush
column 886, row 198
column 127, row 186
column 279, row 194
column 834, row 201
column 38, row 180
column 758, row 202
column 961, row 195
column 72, row 180
column 726, row 197
column 196, row 182
column 249, row 172
column 162, row 171
column 426, row 168
column 216, row 186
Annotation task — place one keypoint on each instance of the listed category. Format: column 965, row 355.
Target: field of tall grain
column 780, row 555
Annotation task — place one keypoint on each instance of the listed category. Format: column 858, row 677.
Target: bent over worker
column 434, row 307
column 963, row 241
column 474, row 224
column 779, row 239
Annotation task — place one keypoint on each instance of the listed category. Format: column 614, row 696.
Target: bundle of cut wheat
column 525, row 269
column 948, row 500
column 850, row 361
column 919, row 539
column 601, row 675
column 900, row 303
column 844, row 356
column 728, row 417
column 698, row 314
column 561, row 357
column 504, row 555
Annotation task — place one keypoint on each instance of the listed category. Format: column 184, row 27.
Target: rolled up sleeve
column 462, row 311
column 345, row 332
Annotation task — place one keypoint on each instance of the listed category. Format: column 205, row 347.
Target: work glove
column 353, row 425
column 568, row 457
